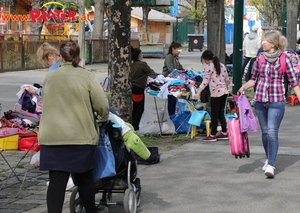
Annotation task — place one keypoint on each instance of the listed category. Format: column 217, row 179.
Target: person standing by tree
column 216, row 76
column 172, row 63
column 140, row 70
column 68, row 132
column 269, row 95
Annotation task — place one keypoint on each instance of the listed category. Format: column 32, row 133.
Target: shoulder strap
column 262, row 59
column 282, row 62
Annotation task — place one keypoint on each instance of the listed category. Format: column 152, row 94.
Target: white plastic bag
column 149, row 123
column 35, row 160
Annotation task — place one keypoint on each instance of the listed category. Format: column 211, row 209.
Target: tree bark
column 36, row 28
column 98, row 19
column 81, row 33
column 119, row 57
column 197, row 27
column 201, row 28
column 291, row 27
column 146, row 11
column 216, row 28
column 197, row 22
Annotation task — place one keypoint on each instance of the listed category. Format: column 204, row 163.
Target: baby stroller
column 125, row 181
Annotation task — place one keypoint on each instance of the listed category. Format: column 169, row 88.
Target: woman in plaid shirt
column 269, row 95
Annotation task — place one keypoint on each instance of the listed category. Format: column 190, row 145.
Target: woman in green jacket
column 140, row 70
column 68, row 133
column 172, row 63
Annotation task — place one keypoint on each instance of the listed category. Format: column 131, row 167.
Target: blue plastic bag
column 104, row 158
column 181, row 122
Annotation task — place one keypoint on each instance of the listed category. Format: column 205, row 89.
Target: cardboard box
column 9, row 142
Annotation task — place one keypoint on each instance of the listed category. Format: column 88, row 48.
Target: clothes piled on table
column 29, row 102
column 176, row 83
column 155, row 83
column 23, row 120
column 19, row 125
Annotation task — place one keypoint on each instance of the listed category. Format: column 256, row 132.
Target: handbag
column 104, row 158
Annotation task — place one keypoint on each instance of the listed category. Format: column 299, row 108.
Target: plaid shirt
column 270, row 80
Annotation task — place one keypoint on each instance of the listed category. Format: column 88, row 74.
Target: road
column 198, row 177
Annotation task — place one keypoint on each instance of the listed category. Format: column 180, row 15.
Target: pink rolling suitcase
column 239, row 145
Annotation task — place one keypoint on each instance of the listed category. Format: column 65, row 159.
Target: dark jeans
column 217, row 113
column 138, row 105
column 57, row 187
column 171, row 104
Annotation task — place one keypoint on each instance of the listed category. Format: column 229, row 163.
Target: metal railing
column 20, row 53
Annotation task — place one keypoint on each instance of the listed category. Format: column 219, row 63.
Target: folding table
column 183, row 96
column 160, row 119
column 13, row 169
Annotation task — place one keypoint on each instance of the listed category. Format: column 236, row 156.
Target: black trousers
column 246, row 60
column 217, row 113
column 172, row 104
column 57, row 187
column 138, row 105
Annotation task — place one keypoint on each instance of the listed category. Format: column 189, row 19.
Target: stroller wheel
column 138, row 196
column 129, row 201
column 102, row 209
column 75, row 202
column 138, row 190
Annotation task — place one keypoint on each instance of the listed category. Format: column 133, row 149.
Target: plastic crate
column 9, row 142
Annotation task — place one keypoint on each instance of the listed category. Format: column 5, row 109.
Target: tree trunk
column 197, row 27
column 36, row 28
column 119, row 57
column 201, row 28
column 145, row 36
column 196, row 22
column 216, row 28
column 292, row 18
column 81, row 33
column 146, row 11
column 98, row 19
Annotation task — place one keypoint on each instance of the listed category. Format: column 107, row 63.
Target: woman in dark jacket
column 172, row 63
column 140, row 70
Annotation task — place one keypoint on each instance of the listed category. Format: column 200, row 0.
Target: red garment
column 137, row 97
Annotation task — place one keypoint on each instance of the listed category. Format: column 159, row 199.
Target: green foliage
column 88, row 3
column 69, row 4
column 145, row 2
column 198, row 12
column 271, row 10
column 7, row 2
column 10, row 38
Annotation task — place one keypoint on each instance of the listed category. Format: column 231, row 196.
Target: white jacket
column 251, row 44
